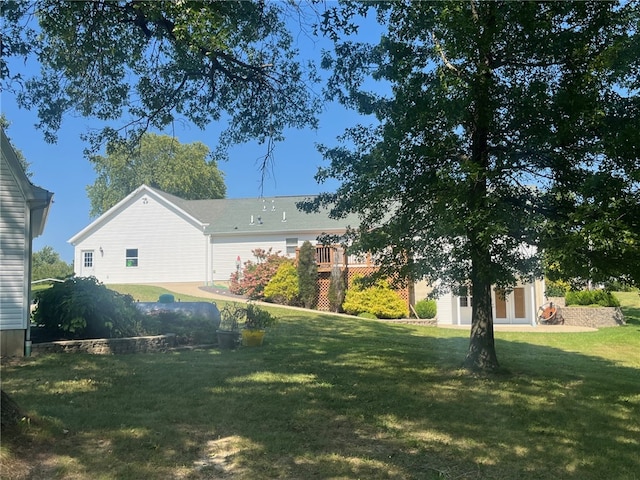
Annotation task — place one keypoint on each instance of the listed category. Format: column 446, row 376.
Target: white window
column 132, row 257
column 292, row 245
column 466, row 301
column 87, row 259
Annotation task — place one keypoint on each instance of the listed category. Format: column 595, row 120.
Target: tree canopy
column 510, row 128
column 46, row 263
column 143, row 65
column 160, row 161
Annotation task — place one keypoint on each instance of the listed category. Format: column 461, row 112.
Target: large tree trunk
column 482, row 350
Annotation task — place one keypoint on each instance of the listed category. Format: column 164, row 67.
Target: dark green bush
column 307, row 275
column 426, row 308
column 379, row 300
column 189, row 329
column 602, row 298
column 84, row 308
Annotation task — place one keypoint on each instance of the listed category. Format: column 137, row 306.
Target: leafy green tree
column 148, row 64
column 46, row 263
column 307, row 275
column 160, row 161
column 493, row 124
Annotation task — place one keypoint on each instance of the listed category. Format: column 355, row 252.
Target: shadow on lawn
column 343, row 399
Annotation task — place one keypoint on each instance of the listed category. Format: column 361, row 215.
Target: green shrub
column 189, row 329
column 283, row 286
column 602, row 298
column 84, row 308
column 379, row 300
column 555, row 288
column 426, row 308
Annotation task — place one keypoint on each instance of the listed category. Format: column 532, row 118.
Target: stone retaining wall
column 595, row 317
column 108, row 346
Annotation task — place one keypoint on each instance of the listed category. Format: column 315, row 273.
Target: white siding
column 170, row 248
column 226, row 249
column 444, row 306
column 14, row 218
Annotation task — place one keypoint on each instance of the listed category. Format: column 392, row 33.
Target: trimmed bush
column 283, row 286
column 379, row 300
column 426, row 308
column 601, row 298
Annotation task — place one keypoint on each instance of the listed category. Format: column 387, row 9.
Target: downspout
column 41, row 205
column 27, row 335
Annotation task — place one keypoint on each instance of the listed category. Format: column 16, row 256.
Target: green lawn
column 337, row 398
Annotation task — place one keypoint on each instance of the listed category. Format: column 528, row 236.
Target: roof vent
column 251, row 220
column 284, row 216
column 273, row 205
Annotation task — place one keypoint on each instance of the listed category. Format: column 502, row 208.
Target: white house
column 24, row 208
column 151, row 236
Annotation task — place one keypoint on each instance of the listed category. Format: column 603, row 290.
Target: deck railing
column 330, row 256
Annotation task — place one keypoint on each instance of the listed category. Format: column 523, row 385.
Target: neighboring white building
column 152, row 237
column 519, row 307
column 24, row 208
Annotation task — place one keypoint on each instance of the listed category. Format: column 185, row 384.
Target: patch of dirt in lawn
column 219, row 460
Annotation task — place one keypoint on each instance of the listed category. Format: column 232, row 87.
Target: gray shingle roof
column 269, row 214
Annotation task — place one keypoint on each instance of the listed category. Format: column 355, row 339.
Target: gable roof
column 234, row 216
column 38, row 199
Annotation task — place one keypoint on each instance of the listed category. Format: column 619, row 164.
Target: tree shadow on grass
column 328, row 398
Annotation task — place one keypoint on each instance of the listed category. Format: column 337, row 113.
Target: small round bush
column 283, row 286
column 379, row 299
column 426, row 308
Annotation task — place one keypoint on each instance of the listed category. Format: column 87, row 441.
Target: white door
column 87, row 263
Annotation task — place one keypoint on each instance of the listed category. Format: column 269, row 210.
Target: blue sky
column 62, row 168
